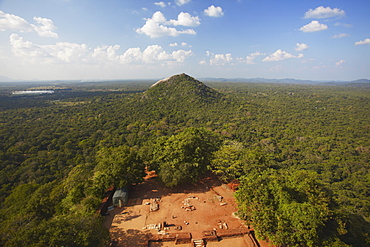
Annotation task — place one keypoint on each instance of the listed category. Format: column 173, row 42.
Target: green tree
column 290, row 208
column 227, row 162
column 185, row 156
column 117, row 166
column 64, row 230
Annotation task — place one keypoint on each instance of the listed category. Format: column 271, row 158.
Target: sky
column 144, row 39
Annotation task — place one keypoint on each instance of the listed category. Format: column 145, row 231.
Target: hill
column 182, row 87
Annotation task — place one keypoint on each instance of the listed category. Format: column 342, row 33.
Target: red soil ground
column 127, row 225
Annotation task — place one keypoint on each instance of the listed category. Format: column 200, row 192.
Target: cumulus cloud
column 158, row 26
column 280, row 55
column 313, row 26
column 301, row 47
column 181, row 55
column 73, row 53
column 161, row 4
column 69, row 52
column 182, row 44
column 363, row 42
column 11, row 22
column 181, row 2
column 132, row 55
column 340, row 35
column 105, row 52
column 46, row 27
column 219, row 59
column 152, row 54
column 250, row 58
column 185, row 19
column 61, row 51
column 202, row 62
column 26, row 49
column 214, row 11
column 322, row 12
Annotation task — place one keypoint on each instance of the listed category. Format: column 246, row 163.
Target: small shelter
column 120, row 197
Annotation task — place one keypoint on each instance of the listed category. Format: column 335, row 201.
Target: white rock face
column 163, row 80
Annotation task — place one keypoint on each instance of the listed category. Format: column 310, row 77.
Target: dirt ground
column 133, row 225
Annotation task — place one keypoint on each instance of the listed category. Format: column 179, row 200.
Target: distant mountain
column 262, row 80
column 360, row 82
column 181, row 87
column 5, row 79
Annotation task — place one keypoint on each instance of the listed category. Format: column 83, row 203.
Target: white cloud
column 339, row 63
column 301, row 46
column 250, row 58
column 214, row 11
column 363, row 42
column 157, row 26
column 185, row 19
column 72, row 53
column 158, row 17
column 132, row 55
column 202, row 62
column 219, row 59
column 154, row 30
column 182, row 2
column 181, row 55
column 182, row 44
column 161, row 4
column 16, row 23
column 26, row 49
column 68, row 52
column 280, row 55
column 13, row 22
column 60, row 52
column 46, row 28
column 313, row 26
column 103, row 53
column 322, row 12
column 340, row 35
column 153, row 54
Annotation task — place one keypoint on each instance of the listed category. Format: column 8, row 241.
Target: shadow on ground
column 130, row 238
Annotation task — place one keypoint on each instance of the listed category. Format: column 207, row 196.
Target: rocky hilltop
column 182, row 87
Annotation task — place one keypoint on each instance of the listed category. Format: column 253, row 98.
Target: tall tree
column 227, row 162
column 117, row 166
column 287, row 207
column 184, row 157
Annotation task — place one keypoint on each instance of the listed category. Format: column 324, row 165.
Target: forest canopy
column 300, row 152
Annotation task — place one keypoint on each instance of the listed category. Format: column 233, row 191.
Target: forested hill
column 181, row 87
column 301, row 153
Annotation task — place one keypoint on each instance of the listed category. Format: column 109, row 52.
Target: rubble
column 154, row 206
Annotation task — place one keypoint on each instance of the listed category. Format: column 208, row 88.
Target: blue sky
column 143, row 39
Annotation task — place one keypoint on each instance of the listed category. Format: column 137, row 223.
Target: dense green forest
column 300, row 152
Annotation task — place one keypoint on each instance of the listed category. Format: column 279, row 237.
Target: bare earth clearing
column 195, row 209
